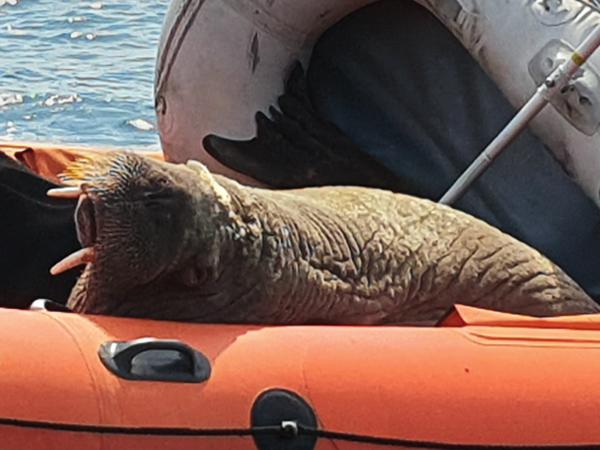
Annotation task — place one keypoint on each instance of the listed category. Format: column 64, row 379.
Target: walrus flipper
column 296, row 148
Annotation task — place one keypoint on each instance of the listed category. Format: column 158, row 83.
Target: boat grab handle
column 43, row 304
column 152, row 359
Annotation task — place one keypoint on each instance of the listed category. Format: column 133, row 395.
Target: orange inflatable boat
column 483, row 380
column 479, row 380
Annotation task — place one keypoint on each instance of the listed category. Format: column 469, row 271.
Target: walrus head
column 136, row 220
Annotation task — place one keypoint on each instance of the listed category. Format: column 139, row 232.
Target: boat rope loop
column 287, row 430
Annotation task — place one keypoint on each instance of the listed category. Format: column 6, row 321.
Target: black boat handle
column 43, row 304
column 151, row 359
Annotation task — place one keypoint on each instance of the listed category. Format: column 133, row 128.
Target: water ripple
column 79, row 72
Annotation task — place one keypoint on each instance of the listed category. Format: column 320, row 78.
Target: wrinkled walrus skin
column 176, row 242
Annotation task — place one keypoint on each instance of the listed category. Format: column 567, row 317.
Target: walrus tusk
column 64, row 192
column 83, row 256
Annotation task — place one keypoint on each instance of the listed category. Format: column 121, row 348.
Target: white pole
column 551, row 85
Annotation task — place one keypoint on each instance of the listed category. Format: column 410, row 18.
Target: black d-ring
column 152, row 359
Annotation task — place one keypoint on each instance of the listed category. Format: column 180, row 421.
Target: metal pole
column 551, row 85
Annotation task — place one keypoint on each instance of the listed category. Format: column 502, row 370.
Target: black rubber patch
column 286, row 409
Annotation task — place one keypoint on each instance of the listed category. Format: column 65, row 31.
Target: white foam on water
column 78, row 34
column 54, row 100
column 10, row 99
column 141, row 124
column 75, row 19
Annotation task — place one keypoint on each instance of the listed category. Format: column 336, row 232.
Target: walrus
column 176, row 242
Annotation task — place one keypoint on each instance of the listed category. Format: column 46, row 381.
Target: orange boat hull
column 498, row 380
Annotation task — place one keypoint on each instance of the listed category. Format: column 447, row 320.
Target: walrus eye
column 156, row 195
column 158, row 199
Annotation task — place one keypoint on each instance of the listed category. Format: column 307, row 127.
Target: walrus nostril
column 85, row 221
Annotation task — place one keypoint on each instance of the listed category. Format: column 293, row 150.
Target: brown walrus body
column 175, row 242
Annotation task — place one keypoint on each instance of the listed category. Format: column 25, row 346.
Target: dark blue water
column 79, row 72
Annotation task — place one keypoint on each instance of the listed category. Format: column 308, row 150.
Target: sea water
column 79, row 72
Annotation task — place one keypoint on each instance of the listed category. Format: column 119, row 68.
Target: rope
column 287, row 430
